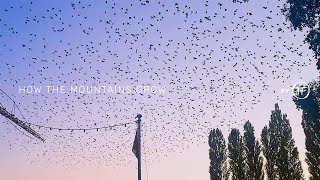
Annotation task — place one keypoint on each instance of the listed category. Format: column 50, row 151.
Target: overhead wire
column 62, row 128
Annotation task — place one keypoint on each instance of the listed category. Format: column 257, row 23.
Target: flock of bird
column 215, row 58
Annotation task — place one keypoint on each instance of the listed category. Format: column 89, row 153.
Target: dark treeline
column 274, row 155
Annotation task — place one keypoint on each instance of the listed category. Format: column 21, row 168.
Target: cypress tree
column 236, row 155
column 281, row 153
column 269, row 152
column 217, row 154
column 254, row 162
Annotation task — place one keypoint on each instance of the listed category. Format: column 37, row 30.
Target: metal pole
column 139, row 146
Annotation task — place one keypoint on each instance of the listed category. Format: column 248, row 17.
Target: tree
column 236, row 155
column 252, row 149
column 305, row 14
column 311, row 126
column 279, row 147
column 270, row 154
column 217, row 154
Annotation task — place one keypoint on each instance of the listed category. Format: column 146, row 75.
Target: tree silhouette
column 236, row 155
column 217, row 154
column 252, row 149
column 305, row 14
column 311, row 126
column 279, row 147
column 270, row 154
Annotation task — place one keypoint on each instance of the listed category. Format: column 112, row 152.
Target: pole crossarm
column 20, row 123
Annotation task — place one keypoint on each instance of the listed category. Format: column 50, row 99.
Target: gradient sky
column 222, row 63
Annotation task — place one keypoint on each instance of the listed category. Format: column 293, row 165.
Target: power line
column 18, row 128
column 62, row 128
column 20, row 123
column 83, row 129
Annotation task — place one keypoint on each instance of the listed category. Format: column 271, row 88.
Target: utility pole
column 139, row 146
column 20, row 123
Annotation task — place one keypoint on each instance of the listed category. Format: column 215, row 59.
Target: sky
column 220, row 64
